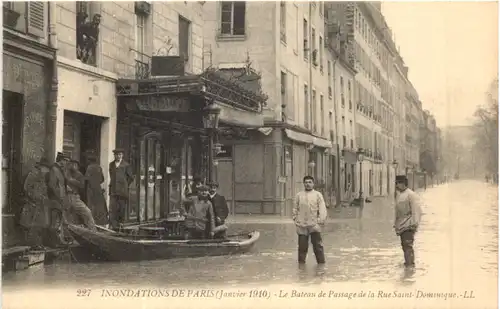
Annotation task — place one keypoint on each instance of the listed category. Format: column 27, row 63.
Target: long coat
column 220, row 207
column 95, row 197
column 120, row 179
column 57, row 186
column 36, row 203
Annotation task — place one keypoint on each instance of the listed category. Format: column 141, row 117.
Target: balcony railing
column 142, row 70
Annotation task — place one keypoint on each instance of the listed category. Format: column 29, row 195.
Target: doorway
column 151, row 179
column 81, row 135
column 12, row 127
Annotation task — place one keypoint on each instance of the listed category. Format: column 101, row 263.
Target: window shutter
column 37, row 11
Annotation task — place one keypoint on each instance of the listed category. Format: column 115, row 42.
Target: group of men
column 54, row 195
column 309, row 215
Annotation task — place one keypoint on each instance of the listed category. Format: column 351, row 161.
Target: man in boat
column 199, row 215
column 221, row 211
column 406, row 218
column 309, row 215
column 121, row 176
column 76, row 184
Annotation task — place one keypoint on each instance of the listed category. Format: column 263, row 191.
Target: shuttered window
column 36, row 18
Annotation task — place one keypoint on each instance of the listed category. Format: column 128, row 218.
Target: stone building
column 132, row 77
column 285, row 43
column 373, row 52
column 28, row 101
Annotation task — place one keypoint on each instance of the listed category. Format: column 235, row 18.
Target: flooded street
column 456, row 252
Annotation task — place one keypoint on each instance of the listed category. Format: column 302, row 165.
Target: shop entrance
column 82, row 135
column 12, row 121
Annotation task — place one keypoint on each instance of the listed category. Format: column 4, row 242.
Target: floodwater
column 456, row 255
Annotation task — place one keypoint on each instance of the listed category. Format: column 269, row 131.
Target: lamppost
column 360, row 154
column 211, row 123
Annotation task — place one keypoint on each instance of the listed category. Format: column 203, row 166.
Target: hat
column 401, row 178
column 61, row 156
column 203, row 188
column 118, row 150
column 213, row 184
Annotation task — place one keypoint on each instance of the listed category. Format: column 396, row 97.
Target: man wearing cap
column 121, row 176
column 57, row 193
column 406, row 218
column 199, row 214
column 76, row 185
column 219, row 203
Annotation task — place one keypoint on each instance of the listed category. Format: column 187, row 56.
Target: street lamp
column 360, row 153
column 211, row 123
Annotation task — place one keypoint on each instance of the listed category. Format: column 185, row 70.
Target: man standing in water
column 309, row 215
column 406, row 218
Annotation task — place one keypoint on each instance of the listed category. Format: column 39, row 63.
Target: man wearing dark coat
column 94, row 192
column 121, row 176
column 221, row 211
column 57, row 193
column 35, row 214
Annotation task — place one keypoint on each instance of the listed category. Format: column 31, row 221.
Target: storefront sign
column 162, row 104
column 20, row 75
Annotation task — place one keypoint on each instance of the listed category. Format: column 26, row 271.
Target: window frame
column 231, row 33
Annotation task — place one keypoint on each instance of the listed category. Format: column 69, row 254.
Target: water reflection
column 455, row 247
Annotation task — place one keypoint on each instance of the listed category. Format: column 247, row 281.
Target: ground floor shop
column 169, row 128
column 262, row 171
column 26, row 120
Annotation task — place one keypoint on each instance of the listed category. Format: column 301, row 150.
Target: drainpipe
column 311, row 46
column 337, row 177
column 50, row 138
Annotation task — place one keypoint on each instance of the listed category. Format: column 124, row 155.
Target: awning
column 299, row 137
column 321, row 142
column 238, row 117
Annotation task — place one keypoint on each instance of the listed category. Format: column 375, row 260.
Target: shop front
column 168, row 129
column 26, row 118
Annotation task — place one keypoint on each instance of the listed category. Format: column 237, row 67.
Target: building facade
column 141, row 86
column 28, row 102
column 267, row 168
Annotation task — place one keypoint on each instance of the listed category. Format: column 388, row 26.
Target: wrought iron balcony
column 142, row 70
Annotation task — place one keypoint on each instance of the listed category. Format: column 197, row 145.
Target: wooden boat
column 113, row 246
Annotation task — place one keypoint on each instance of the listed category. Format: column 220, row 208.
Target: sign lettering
column 163, row 104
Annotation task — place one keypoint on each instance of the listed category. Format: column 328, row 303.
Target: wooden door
column 151, row 177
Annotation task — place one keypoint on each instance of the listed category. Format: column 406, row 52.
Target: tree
column 486, row 129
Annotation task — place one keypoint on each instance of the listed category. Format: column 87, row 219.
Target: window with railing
column 322, row 115
column 305, row 32
column 314, row 112
column 232, row 22
column 283, row 21
column 306, row 107
column 320, row 51
column 314, row 50
column 283, row 94
column 344, row 141
column 141, row 59
column 342, row 98
column 184, row 37
column 349, row 94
